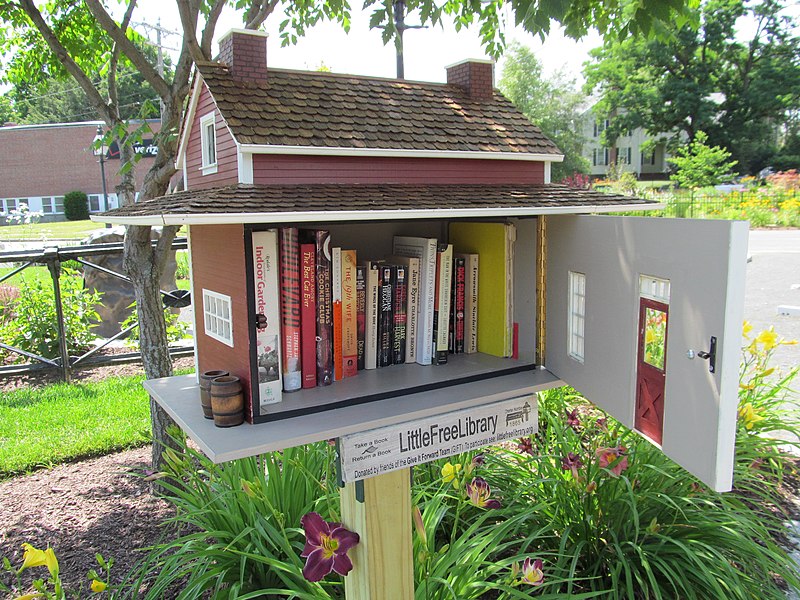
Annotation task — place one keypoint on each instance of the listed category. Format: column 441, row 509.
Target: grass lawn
column 63, row 230
column 41, row 427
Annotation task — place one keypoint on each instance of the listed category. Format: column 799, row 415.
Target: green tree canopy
column 709, row 78
column 553, row 103
column 700, row 165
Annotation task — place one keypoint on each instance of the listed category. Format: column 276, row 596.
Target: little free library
column 379, row 259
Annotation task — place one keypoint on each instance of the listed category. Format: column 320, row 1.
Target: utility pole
column 160, row 47
column 399, row 10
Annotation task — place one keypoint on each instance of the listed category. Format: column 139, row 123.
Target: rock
column 117, row 296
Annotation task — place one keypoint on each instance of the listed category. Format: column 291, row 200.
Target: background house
column 41, row 163
column 628, row 151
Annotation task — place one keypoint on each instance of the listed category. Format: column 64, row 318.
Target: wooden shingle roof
column 336, row 202
column 324, row 110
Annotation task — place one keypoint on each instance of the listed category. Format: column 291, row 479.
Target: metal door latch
column 710, row 356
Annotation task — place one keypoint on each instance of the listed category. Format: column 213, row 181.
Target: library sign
column 385, row 449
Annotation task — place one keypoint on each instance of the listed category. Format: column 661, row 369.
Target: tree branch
column 57, row 48
column 211, row 24
column 130, row 50
column 189, row 12
column 258, row 12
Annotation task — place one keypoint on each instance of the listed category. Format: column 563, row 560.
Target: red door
column 651, row 368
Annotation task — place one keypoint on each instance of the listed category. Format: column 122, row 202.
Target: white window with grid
column 217, row 317
column 208, row 143
column 577, row 315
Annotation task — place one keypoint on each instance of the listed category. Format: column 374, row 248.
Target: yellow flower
column 30, row 596
column 749, row 416
column 746, row 329
column 52, row 562
column 768, row 338
column 649, row 336
column 98, row 586
column 450, row 472
column 33, row 557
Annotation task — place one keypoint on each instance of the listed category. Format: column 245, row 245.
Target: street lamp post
column 100, row 149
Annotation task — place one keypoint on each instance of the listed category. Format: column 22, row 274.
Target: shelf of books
column 180, row 397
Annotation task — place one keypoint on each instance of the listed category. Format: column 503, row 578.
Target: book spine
column 308, row 314
column 371, row 335
column 267, row 307
column 336, row 294
column 445, row 278
column 324, row 309
column 385, row 318
column 471, row 303
column 425, row 250
column 290, row 308
column 349, row 314
column 412, row 309
column 361, row 314
column 459, row 286
column 399, row 308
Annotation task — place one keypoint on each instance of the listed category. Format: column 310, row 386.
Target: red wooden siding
column 227, row 165
column 268, row 168
column 218, row 265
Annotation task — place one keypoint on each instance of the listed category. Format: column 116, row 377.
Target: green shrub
column 182, row 261
column 76, row 206
column 34, row 325
column 176, row 330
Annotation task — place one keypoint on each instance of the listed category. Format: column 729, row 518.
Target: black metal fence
column 735, row 204
column 53, row 258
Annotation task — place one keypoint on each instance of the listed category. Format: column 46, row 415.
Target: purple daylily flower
column 525, row 445
column 479, row 491
column 326, row 547
column 572, row 418
column 572, row 462
column 532, row 571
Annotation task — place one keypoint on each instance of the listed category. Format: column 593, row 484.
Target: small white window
column 654, row 288
column 624, row 156
column 94, row 203
column 208, row 142
column 10, row 204
column 59, row 204
column 217, row 317
column 48, row 206
column 577, row 315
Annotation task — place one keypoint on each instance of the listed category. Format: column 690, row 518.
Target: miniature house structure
column 370, row 158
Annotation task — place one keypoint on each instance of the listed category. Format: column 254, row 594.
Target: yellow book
column 494, row 243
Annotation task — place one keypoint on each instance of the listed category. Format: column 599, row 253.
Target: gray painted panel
column 705, row 263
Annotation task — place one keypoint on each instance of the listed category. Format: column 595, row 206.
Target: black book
column 400, row 314
column 385, row 317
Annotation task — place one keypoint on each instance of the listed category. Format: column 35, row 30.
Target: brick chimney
column 245, row 53
column 476, row 77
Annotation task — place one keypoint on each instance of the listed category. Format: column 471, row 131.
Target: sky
column 361, row 52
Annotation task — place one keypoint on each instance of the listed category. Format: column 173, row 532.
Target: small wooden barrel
column 205, row 390
column 227, row 401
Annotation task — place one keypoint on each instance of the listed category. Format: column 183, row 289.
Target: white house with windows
column 627, row 153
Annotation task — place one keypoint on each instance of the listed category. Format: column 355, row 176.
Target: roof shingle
column 297, row 108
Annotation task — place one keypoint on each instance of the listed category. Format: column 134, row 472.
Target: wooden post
column 383, row 566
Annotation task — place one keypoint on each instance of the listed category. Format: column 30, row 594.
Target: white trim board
column 371, row 215
column 398, row 153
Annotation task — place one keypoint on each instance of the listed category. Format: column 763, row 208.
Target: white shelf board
column 180, row 397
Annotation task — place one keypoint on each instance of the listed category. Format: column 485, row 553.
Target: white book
column 425, row 250
column 412, row 303
column 267, row 303
column 471, row 262
column 445, row 280
column 371, row 316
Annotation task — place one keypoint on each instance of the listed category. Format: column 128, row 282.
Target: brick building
column 41, row 163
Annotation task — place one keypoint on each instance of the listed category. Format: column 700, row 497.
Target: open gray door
column 626, row 295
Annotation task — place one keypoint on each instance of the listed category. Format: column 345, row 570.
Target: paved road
column 773, row 270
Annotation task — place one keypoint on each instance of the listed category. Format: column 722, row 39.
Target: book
column 441, row 308
column 268, row 319
column 322, row 246
column 308, row 314
column 457, row 307
column 371, row 315
column 336, row 295
column 361, row 314
column 425, row 250
column 399, row 300
column 385, row 315
column 349, row 314
column 289, row 249
column 471, row 263
column 494, row 243
column 412, row 304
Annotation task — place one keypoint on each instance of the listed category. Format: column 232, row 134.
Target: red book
column 308, row 314
column 361, row 314
column 336, row 294
column 290, row 307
